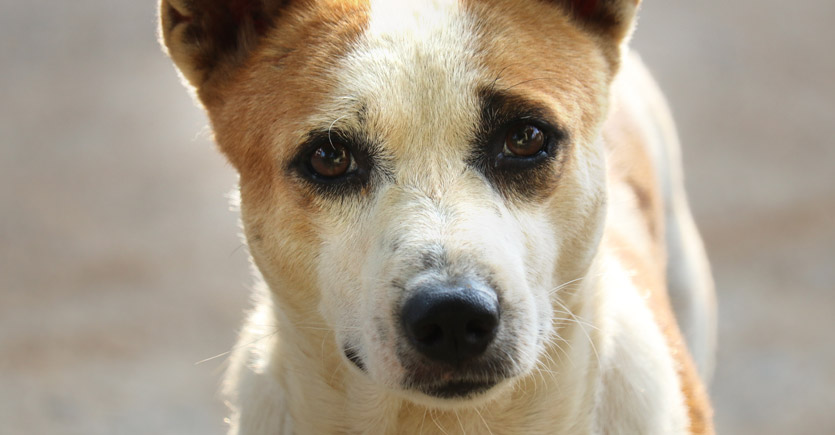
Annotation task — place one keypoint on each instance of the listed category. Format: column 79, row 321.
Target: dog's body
column 466, row 219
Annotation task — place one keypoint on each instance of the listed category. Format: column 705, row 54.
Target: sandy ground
column 121, row 267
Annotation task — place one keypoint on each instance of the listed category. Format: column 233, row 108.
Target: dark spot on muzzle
column 354, row 357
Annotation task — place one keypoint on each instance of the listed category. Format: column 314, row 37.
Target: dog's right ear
column 207, row 39
column 612, row 18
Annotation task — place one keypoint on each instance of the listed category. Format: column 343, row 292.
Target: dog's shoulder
column 643, row 233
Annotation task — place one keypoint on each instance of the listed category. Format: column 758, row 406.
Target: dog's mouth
column 457, row 389
column 465, row 381
column 441, row 384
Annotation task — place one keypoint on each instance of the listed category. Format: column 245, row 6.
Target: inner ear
column 208, row 38
column 610, row 18
column 584, row 9
column 172, row 17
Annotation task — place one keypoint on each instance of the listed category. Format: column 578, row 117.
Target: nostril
column 428, row 334
column 480, row 328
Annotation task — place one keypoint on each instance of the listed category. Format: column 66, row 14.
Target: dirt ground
column 121, row 265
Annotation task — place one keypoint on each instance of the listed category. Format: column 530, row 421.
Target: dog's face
column 424, row 174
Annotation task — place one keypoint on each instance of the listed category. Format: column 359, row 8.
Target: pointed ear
column 207, row 39
column 611, row 19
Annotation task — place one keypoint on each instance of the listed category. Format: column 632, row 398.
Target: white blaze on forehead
column 394, row 16
column 415, row 74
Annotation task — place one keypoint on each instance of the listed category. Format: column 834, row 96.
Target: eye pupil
column 331, row 160
column 524, row 140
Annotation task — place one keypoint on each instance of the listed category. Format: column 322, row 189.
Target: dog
column 468, row 216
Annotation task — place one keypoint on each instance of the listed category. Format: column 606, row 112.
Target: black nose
column 451, row 323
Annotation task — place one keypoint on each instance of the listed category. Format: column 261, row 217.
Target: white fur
column 416, row 72
column 639, row 391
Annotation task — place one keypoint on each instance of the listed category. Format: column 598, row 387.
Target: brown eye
column 524, row 140
column 331, row 160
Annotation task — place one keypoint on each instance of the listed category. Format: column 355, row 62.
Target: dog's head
column 424, row 175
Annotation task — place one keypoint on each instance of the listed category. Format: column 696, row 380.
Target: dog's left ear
column 208, row 39
column 610, row 19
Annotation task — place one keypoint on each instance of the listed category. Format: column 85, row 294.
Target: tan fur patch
column 260, row 117
column 630, row 165
column 568, row 71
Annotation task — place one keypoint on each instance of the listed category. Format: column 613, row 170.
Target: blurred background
column 121, row 265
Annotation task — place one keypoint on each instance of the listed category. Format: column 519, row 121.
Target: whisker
column 432, row 416
column 486, row 426
column 331, row 128
column 240, row 346
column 582, row 328
column 527, row 81
column 461, row 425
